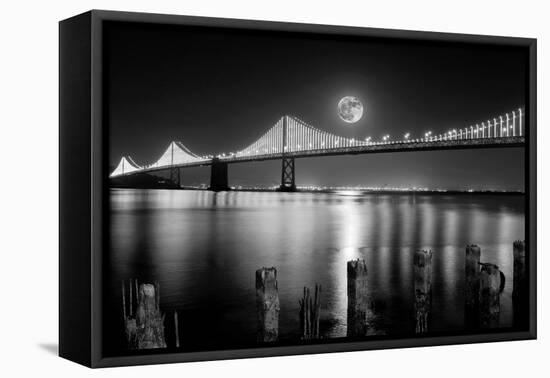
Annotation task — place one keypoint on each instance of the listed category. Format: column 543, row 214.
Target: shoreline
column 344, row 192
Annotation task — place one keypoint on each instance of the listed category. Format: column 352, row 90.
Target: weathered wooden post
column 310, row 312
column 422, row 288
column 267, row 304
column 489, row 296
column 149, row 318
column 471, row 286
column 358, row 301
column 146, row 329
column 176, row 329
column 520, row 293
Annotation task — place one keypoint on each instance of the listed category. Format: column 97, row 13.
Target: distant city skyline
column 218, row 90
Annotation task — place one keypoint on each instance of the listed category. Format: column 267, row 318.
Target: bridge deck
column 402, row 146
column 504, row 142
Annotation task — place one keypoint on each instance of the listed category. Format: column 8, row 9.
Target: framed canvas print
column 234, row 188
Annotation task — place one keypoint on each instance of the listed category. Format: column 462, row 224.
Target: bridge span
column 291, row 138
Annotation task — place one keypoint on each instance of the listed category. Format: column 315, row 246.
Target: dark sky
column 218, row 90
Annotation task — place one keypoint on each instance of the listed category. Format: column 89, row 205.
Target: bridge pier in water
column 218, row 176
column 175, row 176
column 288, row 182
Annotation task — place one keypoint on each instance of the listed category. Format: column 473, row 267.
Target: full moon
column 350, row 109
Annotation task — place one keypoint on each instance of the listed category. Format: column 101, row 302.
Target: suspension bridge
column 291, row 138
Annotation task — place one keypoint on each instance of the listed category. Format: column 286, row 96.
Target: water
column 204, row 248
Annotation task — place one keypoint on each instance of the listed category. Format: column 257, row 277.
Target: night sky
column 218, row 90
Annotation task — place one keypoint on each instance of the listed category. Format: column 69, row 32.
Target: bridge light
column 407, row 135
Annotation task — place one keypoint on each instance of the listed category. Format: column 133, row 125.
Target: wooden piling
column 489, row 296
column 471, row 286
column 358, row 301
column 310, row 312
column 520, row 292
column 146, row 329
column 317, row 314
column 176, row 329
column 422, row 288
column 267, row 304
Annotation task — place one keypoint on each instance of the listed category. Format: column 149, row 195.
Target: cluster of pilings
column 267, row 305
column 484, row 283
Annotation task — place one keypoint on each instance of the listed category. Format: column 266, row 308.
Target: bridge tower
column 174, row 171
column 218, row 176
column 175, row 175
column 288, row 182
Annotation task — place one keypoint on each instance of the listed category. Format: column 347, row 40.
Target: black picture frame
column 83, row 189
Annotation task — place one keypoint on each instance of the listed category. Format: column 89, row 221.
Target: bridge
column 291, row 138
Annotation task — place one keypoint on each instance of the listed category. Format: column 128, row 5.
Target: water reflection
column 204, row 248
